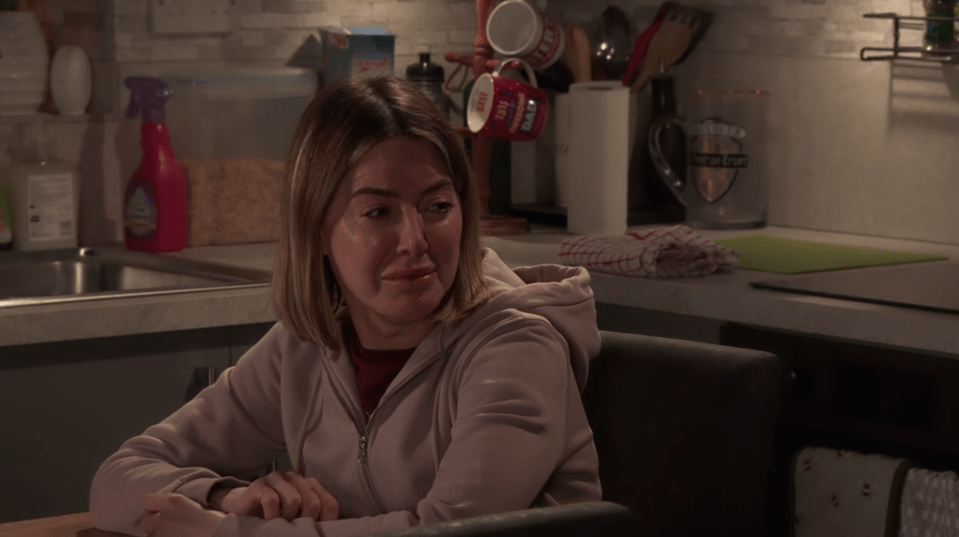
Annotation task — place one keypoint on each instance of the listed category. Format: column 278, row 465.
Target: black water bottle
column 429, row 77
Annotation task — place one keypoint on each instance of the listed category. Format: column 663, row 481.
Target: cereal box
column 358, row 51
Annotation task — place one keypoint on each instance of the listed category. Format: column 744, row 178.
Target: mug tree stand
column 481, row 61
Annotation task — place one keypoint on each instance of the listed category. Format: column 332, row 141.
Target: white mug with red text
column 516, row 29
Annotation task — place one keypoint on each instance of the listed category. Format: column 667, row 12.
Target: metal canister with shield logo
column 727, row 177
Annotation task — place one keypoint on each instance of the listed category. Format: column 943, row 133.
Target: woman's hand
column 175, row 515
column 288, row 495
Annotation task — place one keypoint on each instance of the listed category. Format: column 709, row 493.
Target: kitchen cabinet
column 852, row 394
column 836, row 393
column 618, row 318
column 863, row 397
column 66, row 406
column 858, row 397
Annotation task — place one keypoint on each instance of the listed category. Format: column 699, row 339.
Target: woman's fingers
column 289, row 497
column 148, row 523
column 154, row 504
column 241, row 501
column 175, row 515
column 329, row 507
column 157, row 502
column 310, row 504
column 317, row 503
column 269, row 501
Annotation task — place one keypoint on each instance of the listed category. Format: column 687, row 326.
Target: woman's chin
column 412, row 308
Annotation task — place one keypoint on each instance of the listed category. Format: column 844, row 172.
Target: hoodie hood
column 559, row 293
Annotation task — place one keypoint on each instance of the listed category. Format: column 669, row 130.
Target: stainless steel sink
column 97, row 273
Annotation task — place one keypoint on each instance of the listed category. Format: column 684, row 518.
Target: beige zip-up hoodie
column 485, row 417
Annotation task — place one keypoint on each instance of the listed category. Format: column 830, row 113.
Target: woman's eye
column 440, row 206
column 378, row 212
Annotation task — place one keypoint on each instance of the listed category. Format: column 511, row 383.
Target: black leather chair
column 684, row 432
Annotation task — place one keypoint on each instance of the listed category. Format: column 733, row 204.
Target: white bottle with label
column 43, row 193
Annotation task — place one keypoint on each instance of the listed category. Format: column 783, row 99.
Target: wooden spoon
column 666, row 47
column 576, row 52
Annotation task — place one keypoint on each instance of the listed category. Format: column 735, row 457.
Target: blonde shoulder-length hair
column 344, row 121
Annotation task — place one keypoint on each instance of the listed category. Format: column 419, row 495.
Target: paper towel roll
column 598, row 158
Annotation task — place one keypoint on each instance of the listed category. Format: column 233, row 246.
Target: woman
column 412, row 378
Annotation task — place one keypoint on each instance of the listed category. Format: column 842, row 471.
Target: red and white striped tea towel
column 662, row 252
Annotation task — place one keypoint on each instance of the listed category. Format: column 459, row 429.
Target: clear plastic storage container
column 237, row 112
column 231, row 130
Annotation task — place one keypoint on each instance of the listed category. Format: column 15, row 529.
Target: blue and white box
column 363, row 51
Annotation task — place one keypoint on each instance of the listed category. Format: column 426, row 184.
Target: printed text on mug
column 547, row 45
column 718, row 160
column 481, row 102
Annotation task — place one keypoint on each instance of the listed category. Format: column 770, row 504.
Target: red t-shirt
column 375, row 370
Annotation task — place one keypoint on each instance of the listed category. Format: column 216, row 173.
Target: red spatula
column 639, row 52
column 696, row 19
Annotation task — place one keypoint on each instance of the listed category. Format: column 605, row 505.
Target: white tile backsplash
column 859, row 147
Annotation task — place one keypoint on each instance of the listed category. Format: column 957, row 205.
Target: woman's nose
column 412, row 238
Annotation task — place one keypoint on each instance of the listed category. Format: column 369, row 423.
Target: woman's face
column 392, row 234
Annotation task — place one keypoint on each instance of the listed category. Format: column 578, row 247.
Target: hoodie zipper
column 364, row 433
column 361, row 458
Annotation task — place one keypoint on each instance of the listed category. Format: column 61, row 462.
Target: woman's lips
column 410, row 274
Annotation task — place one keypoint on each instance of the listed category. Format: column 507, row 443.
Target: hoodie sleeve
column 232, row 428
column 510, row 425
column 515, row 398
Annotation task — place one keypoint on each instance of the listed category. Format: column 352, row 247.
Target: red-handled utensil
column 697, row 20
column 642, row 43
column 669, row 43
column 639, row 52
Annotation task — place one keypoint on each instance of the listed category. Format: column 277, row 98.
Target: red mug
column 500, row 107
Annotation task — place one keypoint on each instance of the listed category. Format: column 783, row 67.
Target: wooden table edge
column 75, row 525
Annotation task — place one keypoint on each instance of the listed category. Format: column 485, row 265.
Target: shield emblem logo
column 716, row 155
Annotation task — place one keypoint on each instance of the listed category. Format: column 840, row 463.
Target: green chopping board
column 790, row 256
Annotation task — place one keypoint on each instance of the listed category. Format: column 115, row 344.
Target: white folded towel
column 930, row 504
column 663, row 252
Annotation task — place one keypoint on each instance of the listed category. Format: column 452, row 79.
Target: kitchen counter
column 205, row 308
column 719, row 297
column 729, row 298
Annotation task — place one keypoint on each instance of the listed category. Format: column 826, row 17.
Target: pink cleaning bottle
column 154, row 210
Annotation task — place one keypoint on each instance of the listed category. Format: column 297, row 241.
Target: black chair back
column 684, row 432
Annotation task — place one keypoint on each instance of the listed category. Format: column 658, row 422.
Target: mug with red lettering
column 516, row 29
column 501, row 107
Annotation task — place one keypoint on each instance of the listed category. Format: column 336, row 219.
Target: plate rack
column 898, row 52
